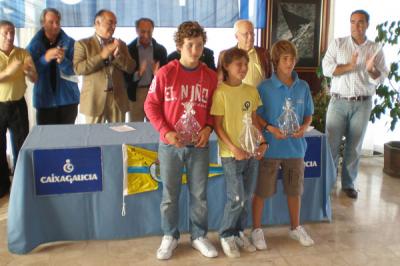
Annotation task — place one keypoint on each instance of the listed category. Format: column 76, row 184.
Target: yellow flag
column 141, row 170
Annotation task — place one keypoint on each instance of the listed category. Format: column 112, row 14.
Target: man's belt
column 351, row 98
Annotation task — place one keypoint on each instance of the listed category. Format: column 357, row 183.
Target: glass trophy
column 287, row 121
column 187, row 126
column 250, row 137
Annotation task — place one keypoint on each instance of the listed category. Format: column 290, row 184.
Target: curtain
column 164, row 13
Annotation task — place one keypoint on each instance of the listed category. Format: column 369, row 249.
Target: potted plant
column 321, row 99
column 389, row 96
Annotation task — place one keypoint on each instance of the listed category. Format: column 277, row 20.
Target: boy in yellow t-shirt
column 231, row 102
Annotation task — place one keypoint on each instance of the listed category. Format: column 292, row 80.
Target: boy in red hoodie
column 178, row 82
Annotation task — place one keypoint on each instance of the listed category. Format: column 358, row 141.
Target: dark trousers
column 14, row 117
column 65, row 114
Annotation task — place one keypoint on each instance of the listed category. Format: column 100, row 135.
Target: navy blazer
column 159, row 54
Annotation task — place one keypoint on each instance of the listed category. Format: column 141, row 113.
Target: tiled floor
column 363, row 232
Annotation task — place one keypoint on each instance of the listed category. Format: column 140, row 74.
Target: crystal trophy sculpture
column 187, row 126
column 250, row 137
column 287, row 121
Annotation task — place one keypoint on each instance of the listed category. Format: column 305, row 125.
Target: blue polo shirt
column 273, row 95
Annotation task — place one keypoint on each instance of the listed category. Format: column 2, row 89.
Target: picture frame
column 304, row 23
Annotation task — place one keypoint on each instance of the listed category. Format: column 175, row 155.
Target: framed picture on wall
column 300, row 21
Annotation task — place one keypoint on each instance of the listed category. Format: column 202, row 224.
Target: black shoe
column 3, row 192
column 350, row 192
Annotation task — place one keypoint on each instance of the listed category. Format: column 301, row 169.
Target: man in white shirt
column 356, row 66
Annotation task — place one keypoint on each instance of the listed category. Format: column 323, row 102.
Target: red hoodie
column 174, row 85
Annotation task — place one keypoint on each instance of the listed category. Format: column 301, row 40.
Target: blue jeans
column 240, row 181
column 347, row 119
column 172, row 161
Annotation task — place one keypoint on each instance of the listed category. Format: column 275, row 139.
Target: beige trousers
column 111, row 112
column 136, row 109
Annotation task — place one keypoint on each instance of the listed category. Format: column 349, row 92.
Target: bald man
column 102, row 60
column 260, row 66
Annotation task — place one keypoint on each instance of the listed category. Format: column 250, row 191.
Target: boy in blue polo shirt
column 285, row 151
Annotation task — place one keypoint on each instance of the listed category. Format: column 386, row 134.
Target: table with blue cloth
column 36, row 219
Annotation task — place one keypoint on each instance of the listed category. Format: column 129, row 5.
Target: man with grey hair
column 102, row 60
column 149, row 56
column 260, row 66
column 15, row 65
column 56, row 93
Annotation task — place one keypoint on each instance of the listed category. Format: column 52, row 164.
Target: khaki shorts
column 293, row 177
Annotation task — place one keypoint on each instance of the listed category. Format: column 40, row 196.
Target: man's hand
column 29, row 70
column 117, row 43
column 60, row 55
column 53, row 54
column 13, row 67
column 353, row 62
column 156, row 67
column 142, row 68
column 203, row 137
column 108, row 50
column 370, row 64
column 173, row 139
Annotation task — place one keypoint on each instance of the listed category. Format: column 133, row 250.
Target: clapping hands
column 57, row 53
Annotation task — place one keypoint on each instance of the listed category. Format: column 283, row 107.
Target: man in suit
column 260, row 66
column 102, row 60
column 150, row 56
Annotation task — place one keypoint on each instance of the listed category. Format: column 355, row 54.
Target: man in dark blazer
column 150, row 56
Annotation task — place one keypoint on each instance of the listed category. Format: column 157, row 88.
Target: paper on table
column 309, row 128
column 122, row 128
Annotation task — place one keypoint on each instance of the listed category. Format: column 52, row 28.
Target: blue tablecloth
column 33, row 220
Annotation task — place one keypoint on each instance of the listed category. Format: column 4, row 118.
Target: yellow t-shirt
column 255, row 74
column 232, row 103
column 13, row 88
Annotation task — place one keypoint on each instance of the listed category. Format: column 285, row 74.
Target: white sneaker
column 168, row 244
column 301, row 235
column 205, row 247
column 244, row 243
column 229, row 247
column 257, row 237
